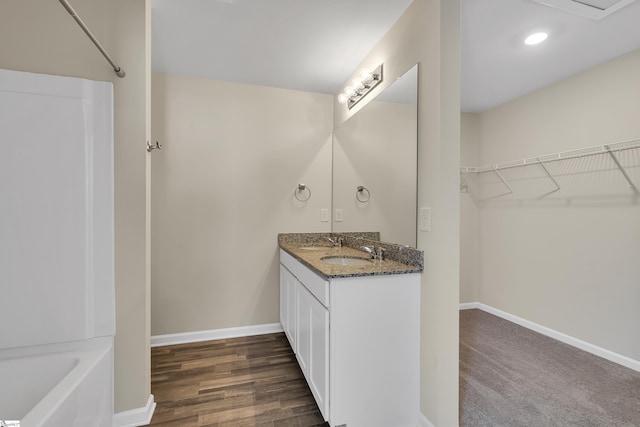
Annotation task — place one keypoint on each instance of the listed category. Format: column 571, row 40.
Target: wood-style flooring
column 239, row 382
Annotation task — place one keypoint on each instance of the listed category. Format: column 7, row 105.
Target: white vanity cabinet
column 306, row 324
column 357, row 340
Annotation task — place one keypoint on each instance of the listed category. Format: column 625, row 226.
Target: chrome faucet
column 336, row 242
column 371, row 251
column 379, row 254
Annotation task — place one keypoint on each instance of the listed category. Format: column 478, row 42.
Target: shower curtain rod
column 119, row 71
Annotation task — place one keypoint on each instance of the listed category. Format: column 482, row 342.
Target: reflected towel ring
column 300, row 189
column 361, row 190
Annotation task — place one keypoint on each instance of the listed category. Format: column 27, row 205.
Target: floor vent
column 592, row 9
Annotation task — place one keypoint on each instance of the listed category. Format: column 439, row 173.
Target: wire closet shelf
column 611, row 151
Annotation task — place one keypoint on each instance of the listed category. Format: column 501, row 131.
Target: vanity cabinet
column 357, row 341
column 305, row 320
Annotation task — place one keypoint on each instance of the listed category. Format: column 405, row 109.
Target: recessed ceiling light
column 535, row 38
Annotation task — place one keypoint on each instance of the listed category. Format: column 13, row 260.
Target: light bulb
column 342, row 98
column 349, row 91
column 366, row 76
column 535, row 38
column 357, row 84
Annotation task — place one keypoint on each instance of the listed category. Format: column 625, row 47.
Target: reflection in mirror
column 375, row 165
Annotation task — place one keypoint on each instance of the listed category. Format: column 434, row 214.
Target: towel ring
column 300, row 189
column 362, row 190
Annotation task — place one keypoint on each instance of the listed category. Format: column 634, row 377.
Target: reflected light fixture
column 535, row 38
column 360, row 87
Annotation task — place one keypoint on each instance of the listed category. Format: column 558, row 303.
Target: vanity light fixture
column 535, row 38
column 360, row 87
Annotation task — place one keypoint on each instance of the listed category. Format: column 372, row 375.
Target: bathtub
column 58, row 385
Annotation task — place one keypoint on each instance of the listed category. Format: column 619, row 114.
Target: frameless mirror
column 375, row 165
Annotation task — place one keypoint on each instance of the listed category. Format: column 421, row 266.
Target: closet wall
column 469, row 223
column 568, row 261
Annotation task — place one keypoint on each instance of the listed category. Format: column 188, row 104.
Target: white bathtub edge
column 135, row 417
column 424, row 421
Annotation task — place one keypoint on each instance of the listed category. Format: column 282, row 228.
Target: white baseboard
column 135, row 417
column 215, row 334
column 567, row 339
column 469, row 305
column 424, row 421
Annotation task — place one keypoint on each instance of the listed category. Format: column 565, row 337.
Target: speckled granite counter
column 310, row 248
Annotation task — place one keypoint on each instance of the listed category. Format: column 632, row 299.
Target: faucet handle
column 381, row 251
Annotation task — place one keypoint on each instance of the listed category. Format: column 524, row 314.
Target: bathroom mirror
column 375, row 165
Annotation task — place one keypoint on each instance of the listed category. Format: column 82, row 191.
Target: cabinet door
column 288, row 303
column 283, row 298
column 313, row 346
column 292, row 322
column 319, row 363
column 303, row 330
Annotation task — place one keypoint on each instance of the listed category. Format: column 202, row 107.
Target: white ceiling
column 498, row 67
column 315, row 45
column 311, row 45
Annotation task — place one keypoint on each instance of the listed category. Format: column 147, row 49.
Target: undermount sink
column 315, row 248
column 343, row 260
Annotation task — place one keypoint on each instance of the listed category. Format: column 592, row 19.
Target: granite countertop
column 310, row 248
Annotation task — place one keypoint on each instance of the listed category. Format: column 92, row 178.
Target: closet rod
column 566, row 155
column 119, row 71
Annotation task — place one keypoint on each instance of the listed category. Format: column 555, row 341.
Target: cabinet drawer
column 318, row 286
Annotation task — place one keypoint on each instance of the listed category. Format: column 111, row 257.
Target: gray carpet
column 512, row 376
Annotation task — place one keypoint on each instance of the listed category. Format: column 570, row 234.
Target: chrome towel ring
column 362, row 194
column 301, row 189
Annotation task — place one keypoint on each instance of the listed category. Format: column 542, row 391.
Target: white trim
column 135, row 417
column 469, row 305
column 424, row 421
column 215, row 334
column 567, row 339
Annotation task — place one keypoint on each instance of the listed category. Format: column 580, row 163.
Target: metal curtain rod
column 119, row 71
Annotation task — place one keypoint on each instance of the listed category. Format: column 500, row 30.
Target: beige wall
column 568, row 262
column 469, row 221
column 428, row 33
column 377, row 149
column 222, row 191
column 40, row 36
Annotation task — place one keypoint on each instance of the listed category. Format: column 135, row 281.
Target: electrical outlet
column 324, row 215
column 424, row 221
column 338, row 217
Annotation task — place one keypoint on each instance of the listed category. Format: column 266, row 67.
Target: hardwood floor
column 239, row 382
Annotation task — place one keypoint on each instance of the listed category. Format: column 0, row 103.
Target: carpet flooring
column 512, row 376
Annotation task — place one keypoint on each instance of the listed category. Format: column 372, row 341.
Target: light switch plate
column 338, row 217
column 424, row 221
column 324, row 215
